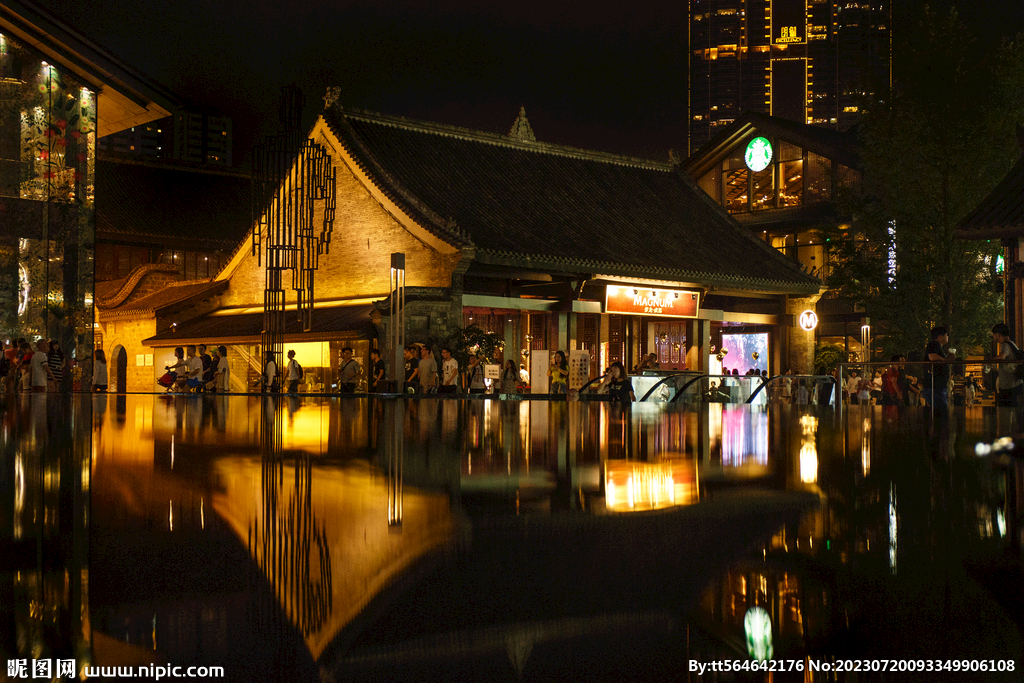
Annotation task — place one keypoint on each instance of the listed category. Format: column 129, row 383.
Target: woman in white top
column 40, row 368
column 99, row 371
column 223, row 373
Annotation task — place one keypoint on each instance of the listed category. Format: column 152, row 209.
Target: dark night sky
column 597, row 74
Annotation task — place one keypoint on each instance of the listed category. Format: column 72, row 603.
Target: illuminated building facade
column 546, row 247
column 781, row 179
column 58, row 94
column 810, row 61
column 186, row 136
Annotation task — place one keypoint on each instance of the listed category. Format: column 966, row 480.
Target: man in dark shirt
column 412, row 369
column 377, row 374
column 937, row 393
column 208, row 368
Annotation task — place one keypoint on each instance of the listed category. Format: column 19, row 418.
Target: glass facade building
column 809, row 61
column 47, row 180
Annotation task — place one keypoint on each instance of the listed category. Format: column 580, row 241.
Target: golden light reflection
column 634, row 486
column 865, row 446
column 809, row 450
column 348, row 507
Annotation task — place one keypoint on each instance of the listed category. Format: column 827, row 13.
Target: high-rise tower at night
column 804, row 60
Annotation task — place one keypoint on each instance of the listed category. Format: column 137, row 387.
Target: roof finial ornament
column 673, row 157
column 332, row 96
column 521, row 128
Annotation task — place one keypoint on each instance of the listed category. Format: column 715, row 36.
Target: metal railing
column 926, row 367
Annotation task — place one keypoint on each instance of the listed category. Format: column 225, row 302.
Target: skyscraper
column 805, row 60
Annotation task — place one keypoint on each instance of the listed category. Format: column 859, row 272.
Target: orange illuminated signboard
column 637, row 300
column 789, row 22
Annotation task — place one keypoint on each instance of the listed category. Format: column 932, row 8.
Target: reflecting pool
column 371, row 539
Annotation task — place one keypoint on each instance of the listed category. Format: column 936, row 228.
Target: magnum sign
column 674, row 303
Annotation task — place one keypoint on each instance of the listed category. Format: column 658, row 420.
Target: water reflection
column 278, row 537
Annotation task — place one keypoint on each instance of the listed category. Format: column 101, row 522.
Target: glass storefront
column 47, row 180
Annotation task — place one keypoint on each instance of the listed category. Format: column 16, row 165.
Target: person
column 25, row 366
column 559, row 373
column 1009, row 389
column 853, row 386
column 509, row 378
column 787, row 386
column 55, row 359
column 206, row 376
column 291, row 372
column 449, row 373
column 99, row 371
column 475, row 375
column 193, row 379
column 412, row 369
column 649, row 362
column 211, row 384
column 524, row 376
column 936, row 390
column 349, row 369
column 377, row 371
column 427, row 371
column 876, row 386
column 620, row 388
column 802, row 395
column 180, row 367
column 223, row 372
column 892, row 393
column 40, row 368
column 864, row 390
column 7, row 368
column 269, row 378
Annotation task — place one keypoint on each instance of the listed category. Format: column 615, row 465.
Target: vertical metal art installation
column 293, row 179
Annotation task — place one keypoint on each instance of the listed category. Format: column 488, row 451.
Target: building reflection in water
column 236, row 523
column 44, row 527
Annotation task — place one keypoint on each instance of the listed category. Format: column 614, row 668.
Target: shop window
column 736, row 197
column 764, row 189
column 791, row 190
column 818, row 185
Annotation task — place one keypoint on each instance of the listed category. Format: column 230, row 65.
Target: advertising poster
column 540, row 383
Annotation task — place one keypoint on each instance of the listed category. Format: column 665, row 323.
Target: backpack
column 298, row 369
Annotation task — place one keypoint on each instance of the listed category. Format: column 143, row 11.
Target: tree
column 931, row 148
column 471, row 339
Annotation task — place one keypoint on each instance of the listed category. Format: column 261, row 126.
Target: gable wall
column 359, row 261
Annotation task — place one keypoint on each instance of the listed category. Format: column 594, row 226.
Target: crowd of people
column 38, row 368
column 193, row 370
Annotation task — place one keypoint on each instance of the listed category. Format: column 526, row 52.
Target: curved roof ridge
column 499, row 139
column 132, row 281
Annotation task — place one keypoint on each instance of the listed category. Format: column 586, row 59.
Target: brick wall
column 359, row 261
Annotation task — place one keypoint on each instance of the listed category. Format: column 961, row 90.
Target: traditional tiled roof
column 247, row 327
column 1001, row 213
column 170, row 205
column 174, row 294
column 559, row 208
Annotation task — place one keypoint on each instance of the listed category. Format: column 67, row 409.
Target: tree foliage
column 932, row 148
column 471, row 339
column 827, row 357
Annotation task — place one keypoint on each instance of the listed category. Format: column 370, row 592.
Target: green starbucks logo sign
column 758, row 154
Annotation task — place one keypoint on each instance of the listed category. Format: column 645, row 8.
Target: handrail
column 663, row 380
column 682, row 389
column 592, row 381
column 766, row 382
